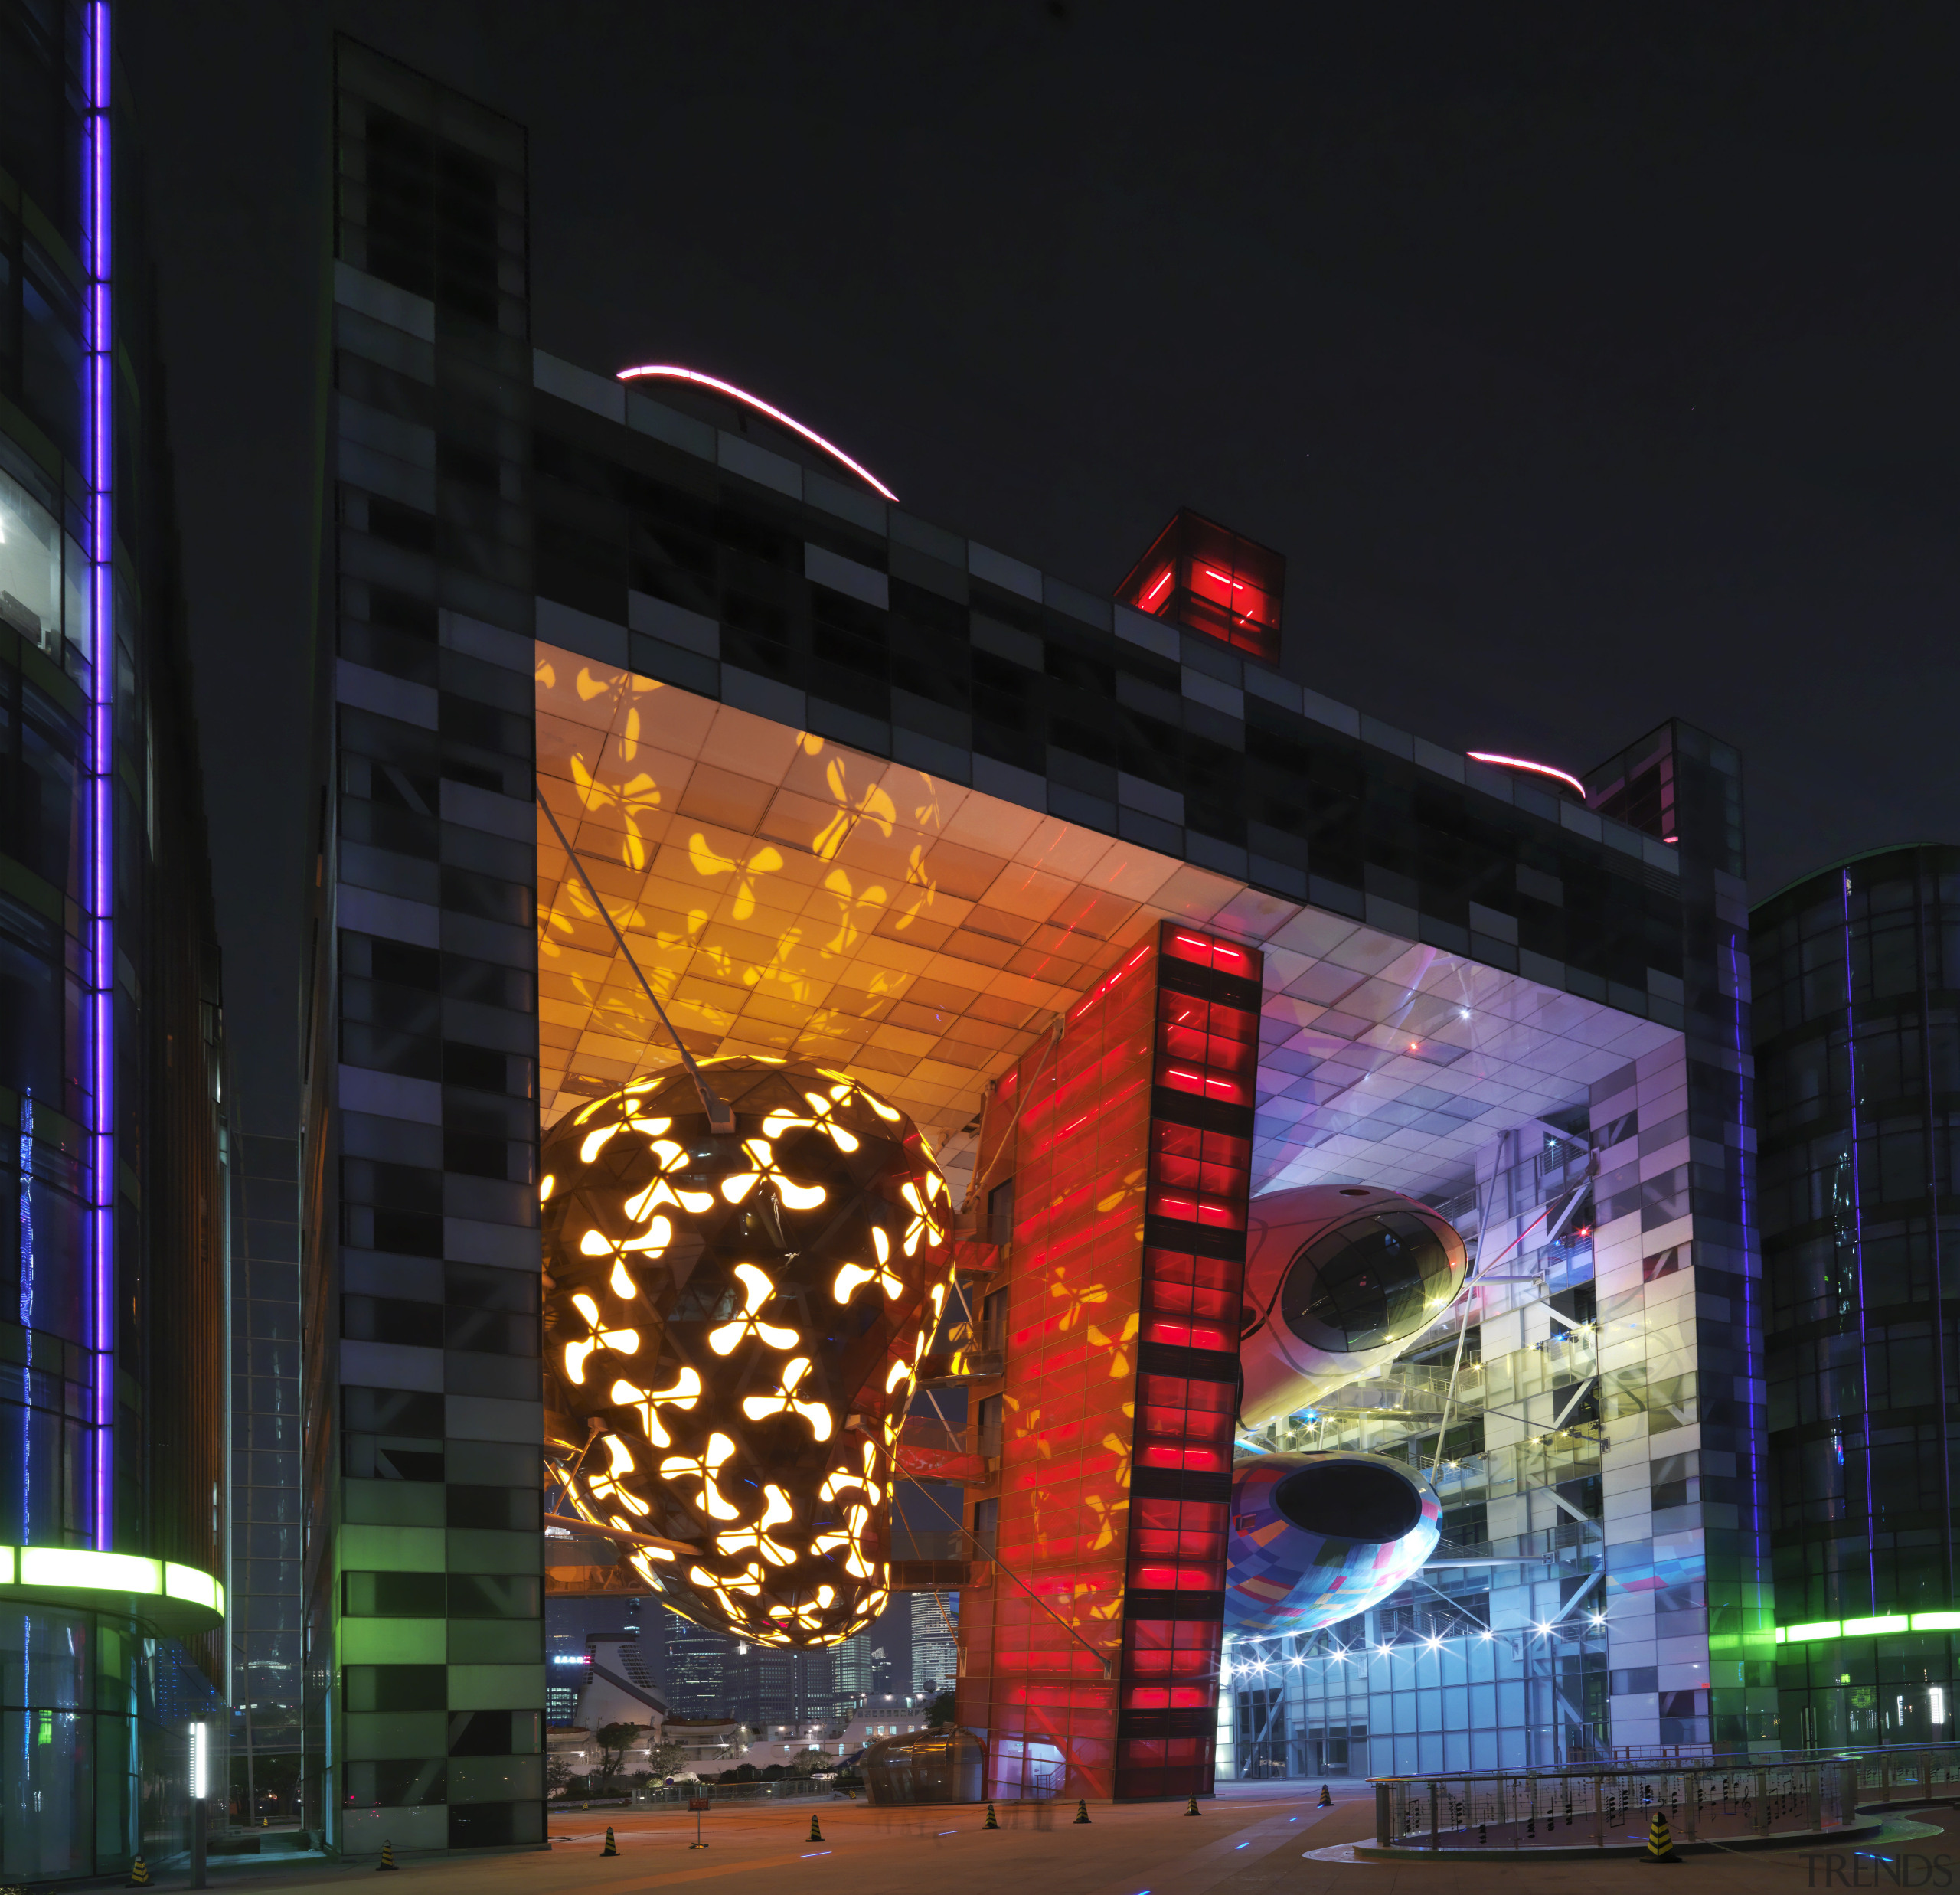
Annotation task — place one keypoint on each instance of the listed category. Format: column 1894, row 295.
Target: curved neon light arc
column 1524, row 762
column 670, row 371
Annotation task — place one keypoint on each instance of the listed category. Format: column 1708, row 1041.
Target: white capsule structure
column 1339, row 1278
column 1317, row 1538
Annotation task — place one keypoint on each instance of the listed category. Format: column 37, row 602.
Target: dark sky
column 1587, row 369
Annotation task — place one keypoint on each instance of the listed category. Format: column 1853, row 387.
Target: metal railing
column 1727, row 1800
column 773, row 1789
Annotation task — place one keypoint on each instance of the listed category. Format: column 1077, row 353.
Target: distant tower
column 697, row 1686
column 935, row 1646
column 853, row 1674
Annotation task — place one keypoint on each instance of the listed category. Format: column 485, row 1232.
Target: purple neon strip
column 101, row 868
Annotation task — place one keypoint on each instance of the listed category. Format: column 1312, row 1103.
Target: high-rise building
column 1857, row 968
column 770, row 1689
column 861, row 792
column 114, row 1401
column 935, row 1644
column 698, row 1658
column 852, row 1678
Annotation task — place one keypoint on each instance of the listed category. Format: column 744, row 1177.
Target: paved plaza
column 1262, row 1840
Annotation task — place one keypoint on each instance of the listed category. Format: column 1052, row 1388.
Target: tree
column 558, row 1773
column 614, row 1741
column 942, row 1711
column 665, row 1760
column 812, row 1760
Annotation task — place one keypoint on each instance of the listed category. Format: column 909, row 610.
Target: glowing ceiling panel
column 790, row 896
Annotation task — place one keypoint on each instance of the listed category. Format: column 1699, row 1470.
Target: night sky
column 1586, row 373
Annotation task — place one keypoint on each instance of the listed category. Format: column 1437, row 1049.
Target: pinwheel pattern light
column 734, row 1328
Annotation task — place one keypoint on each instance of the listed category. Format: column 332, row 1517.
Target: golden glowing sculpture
column 733, row 1326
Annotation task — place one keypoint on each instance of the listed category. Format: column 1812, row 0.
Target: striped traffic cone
column 387, row 1860
column 612, row 1848
column 1659, row 1844
column 992, row 1821
column 1190, row 1809
column 1081, row 1809
column 816, row 1831
column 1326, row 1798
column 140, row 1874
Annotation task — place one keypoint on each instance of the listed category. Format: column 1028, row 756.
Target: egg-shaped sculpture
column 1316, row 1538
column 1338, row 1278
column 733, row 1325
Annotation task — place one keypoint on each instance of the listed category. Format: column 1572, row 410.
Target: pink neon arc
column 1520, row 763
column 668, row 371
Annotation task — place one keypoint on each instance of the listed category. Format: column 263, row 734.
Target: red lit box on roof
column 1209, row 580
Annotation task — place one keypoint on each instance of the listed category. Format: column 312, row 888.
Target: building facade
column 1857, row 969
column 423, row 1570
column 113, row 1393
column 862, row 792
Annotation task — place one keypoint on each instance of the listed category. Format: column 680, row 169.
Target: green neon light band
column 72, row 1569
column 1884, row 1625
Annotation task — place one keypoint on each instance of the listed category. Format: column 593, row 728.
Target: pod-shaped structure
column 1338, row 1277
column 1316, row 1538
column 733, row 1326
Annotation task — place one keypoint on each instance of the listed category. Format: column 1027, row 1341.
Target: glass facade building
column 862, row 792
column 1857, row 1013
column 113, row 1393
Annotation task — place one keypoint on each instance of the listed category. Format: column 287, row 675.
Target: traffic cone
column 1081, row 1809
column 612, row 1848
column 1190, row 1809
column 1659, row 1844
column 992, row 1821
column 1483, row 1832
column 140, row 1874
column 387, row 1860
column 816, row 1831
column 1326, row 1798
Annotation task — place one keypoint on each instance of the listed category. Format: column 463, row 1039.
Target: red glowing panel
column 1212, row 581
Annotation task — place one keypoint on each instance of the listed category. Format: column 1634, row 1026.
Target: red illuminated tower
column 1211, row 580
column 1091, row 1652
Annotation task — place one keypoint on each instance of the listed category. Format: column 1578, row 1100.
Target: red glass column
column 1204, row 1079
column 1090, row 1654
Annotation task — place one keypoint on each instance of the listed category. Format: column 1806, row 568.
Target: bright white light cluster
column 737, row 1324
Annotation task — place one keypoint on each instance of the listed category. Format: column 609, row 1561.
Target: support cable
column 966, row 1533
column 1014, row 1118
column 720, row 1116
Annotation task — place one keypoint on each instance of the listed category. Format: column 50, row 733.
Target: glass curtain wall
column 1858, row 998
column 1450, row 1672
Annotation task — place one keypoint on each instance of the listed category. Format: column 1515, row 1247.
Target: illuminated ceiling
column 787, row 895
column 1385, row 1063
